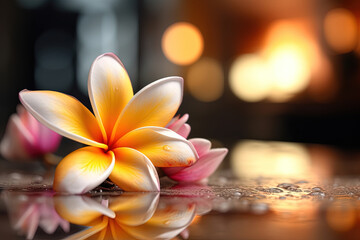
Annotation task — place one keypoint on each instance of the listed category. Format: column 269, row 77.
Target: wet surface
column 228, row 206
column 223, row 208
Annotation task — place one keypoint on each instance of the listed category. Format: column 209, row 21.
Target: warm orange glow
column 323, row 86
column 290, row 69
column 282, row 68
column 290, row 53
column 250, row 78
column 270, row 159
column 306, row 209
column 341, row 30
column 205, row 80
column 341, row 216
column 182, row 43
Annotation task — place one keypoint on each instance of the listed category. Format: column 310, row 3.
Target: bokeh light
column 341, row 30
column 249, row 78
column 270, row 159
column 289, row 66
column 182, row 43
column 290, row 53
column 281, row 69
column 205, row 80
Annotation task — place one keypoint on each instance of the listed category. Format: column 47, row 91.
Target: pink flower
column 29, row 212
column 26, row 138
column 209, row 159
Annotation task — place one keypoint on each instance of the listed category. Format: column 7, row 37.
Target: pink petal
column 13, row 144
column 27, row 121
column 33, row 224
column 169, row 171
column 65, row 225
column 172, row 121
column 185, row 234
column 203, row 168
column 48, row 140
column 25, row 137
column 201, row 145
column 184, row 130
column 175, row 125
column 43, row 139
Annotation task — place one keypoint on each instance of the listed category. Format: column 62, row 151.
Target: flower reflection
column 28, row 212
column 129, row 216
column 190, row 193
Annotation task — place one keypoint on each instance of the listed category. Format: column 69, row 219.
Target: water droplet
column 116, row 89
column 237, row 194
column 275, row 190
column 288, row 186
column 167, row 222
column 270, row 190
column 166, row 148
column 317, row 189
column 320, row 194
column 294, row 189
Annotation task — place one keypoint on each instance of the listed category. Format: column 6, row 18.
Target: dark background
column 47, row 44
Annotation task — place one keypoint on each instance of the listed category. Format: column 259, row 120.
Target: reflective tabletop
column 264, row 190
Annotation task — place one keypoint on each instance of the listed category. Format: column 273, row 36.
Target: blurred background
column 284, row 70
column 261, row 77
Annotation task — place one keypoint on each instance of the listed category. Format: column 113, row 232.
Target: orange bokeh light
column 182, row 43
column 341, row 30
column 290, row 53
column 270, row 159
column 284, row 66
column 249, row 78
column 205, row 80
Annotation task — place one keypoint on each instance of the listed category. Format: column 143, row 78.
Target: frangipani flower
column 126, row 137
column 209, row 159
column 26, row 138
column 29, row 212
column 129, row 216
